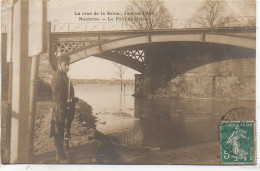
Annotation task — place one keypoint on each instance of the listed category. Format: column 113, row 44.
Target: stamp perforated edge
column 255, row 144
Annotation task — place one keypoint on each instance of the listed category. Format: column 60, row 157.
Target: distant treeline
column 100, row 81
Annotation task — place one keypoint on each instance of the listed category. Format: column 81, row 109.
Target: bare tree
column 149, row 15
column 212, row 13
column 251, row 21
column 120, row 71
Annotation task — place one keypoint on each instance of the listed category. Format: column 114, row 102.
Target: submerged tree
column 147, row 15
column 120, row 71
column 212, row 13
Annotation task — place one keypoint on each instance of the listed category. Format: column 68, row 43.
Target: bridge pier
column 139, row 85
column 157, row 71
column 156, row 74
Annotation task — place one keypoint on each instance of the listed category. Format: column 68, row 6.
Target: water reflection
column 156, row 123
column 179, row 122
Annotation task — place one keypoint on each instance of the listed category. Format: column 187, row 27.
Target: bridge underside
column 203, row 53
column 163, row 63
column 122, row 58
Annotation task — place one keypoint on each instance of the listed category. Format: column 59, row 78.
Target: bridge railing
column 229, row 22
column 87, row 26
column 114, row 26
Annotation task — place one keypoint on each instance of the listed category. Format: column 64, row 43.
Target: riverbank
column 83, row 133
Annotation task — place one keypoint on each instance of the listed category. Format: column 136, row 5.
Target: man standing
column 63, row 109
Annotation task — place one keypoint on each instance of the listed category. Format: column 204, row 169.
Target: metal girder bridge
column 127, row 47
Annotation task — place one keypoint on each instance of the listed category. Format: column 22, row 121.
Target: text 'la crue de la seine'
column 111, row 16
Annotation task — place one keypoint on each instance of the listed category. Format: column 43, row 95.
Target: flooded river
column 158, row 131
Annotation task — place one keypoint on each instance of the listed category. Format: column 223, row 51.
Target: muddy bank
column 83, row 133
column 83, row 129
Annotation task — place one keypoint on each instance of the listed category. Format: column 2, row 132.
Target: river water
column 158, row 131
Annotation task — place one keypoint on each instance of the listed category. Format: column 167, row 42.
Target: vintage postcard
column 139, row 82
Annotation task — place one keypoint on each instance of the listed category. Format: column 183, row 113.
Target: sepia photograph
column 128, row 82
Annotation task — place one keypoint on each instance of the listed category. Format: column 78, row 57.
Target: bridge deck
column 166, row 31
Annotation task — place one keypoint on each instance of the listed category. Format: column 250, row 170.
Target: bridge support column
column 139, row 84
column 158, row 70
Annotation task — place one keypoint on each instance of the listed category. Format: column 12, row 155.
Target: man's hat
column 63, row 58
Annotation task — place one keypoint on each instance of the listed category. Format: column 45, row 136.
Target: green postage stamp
column 237, row 142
